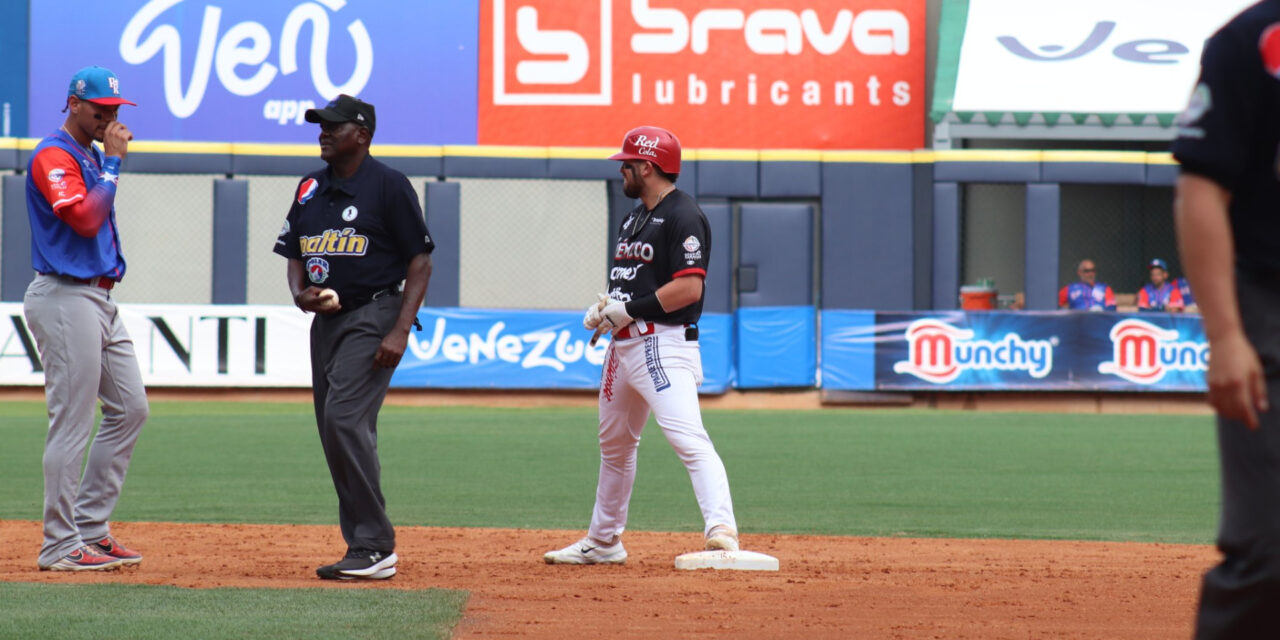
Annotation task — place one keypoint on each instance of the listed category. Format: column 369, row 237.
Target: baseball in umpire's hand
column 328, row 300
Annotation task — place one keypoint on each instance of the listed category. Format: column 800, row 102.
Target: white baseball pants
column 659, row 372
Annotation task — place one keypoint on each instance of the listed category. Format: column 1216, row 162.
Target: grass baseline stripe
column 144, row 612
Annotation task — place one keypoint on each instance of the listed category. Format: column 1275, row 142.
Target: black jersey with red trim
column 656, row 247
column 355, row 236
column 1230, row 131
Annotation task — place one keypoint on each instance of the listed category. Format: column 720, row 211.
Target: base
column 734, row 560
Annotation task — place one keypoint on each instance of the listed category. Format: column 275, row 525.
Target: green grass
column 143, row 612
column 837, row 471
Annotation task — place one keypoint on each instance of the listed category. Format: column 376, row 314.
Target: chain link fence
column 526, row 244
column 993, row 237
column 1121, row 228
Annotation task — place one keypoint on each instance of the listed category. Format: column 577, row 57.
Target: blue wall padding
column 776, row 347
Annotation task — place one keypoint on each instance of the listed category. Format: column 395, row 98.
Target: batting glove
column 592, row 318
column 615, row 313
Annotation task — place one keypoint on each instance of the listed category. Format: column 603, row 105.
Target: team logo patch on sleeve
column 306, row 190
column 691, row 244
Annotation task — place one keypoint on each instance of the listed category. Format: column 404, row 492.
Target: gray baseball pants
column 87, row 356
column 1240, row 598
column 348, row 392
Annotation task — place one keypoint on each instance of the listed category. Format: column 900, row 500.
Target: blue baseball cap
column 1157, row 263
column 97, row 85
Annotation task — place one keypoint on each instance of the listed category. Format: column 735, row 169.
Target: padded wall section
column 1095, row 172
column 230, row 242
column 867, row 236
column 790, row 179
column 443, row 211
column 776, row 252
column 719, row 283
column 1044, row 215
column 15, row 239
column 946, row 245
column 727, row 178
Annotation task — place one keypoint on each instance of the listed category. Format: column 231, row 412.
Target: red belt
column 633, row 330
column 98, row 281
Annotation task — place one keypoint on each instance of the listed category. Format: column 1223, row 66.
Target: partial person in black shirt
column 355, row 232
column 1227, row 215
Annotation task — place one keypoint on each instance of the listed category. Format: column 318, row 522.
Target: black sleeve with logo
column 287, row 242
column 1214, row 131
column 1230, row 132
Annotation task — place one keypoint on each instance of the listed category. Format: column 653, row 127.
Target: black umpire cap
column 344, row 108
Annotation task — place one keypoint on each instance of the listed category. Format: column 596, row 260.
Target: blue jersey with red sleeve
column 60, row 175
column 1153, row 298
column 1082, row 296
column 1184, row 289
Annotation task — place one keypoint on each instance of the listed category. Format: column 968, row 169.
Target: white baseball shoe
column 588, row 551
column 722, row 538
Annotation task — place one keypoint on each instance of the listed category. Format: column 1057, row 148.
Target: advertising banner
column 246, row 70
column 187, row 346
column 1086, row 56
column 812, row 74
column 524, row 349
column 998, row 351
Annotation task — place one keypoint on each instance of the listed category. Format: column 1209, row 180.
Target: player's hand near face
column 1237, row 387
column 116, row 139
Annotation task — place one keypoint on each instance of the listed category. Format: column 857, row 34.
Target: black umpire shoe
column 361, row 564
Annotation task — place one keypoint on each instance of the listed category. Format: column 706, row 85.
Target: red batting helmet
column 656, row 145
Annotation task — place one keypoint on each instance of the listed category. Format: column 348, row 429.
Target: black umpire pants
column 348, row 392
column 1240, row 598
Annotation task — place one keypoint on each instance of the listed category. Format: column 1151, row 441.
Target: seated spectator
column 1088, row 294
column 1160, row 294
column 1188, row 300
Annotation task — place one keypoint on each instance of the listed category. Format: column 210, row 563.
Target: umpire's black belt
column 359, row 301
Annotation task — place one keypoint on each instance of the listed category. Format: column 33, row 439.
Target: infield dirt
column 828, row 587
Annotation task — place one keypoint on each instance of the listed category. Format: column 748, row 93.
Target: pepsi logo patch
column 691, row 244
column 307, row 189
column 318, row 270
column 1269, row 47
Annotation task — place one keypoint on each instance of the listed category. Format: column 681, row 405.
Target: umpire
column 1229, row 237
column 355, row 227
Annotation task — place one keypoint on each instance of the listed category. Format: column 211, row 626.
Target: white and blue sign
column 246, row 70
column 462, row 348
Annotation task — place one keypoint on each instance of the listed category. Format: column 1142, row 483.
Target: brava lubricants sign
column 246, row 70
column 820, row 74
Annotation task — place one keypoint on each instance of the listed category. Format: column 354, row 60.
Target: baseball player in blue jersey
column 1159, row 294
column 354, row 233
column 86, row 353
column 653, row 364
column 1088, row 294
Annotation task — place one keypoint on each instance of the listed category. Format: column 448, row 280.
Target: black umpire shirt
column 355, row 236
column 1230, row 132
column 656, row 247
